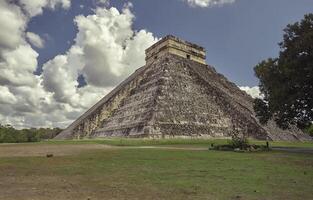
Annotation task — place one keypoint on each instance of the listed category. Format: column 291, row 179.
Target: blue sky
column 48, row 48
column 236, row 36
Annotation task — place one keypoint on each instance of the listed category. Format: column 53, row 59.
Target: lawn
column 171, row 142
column 152, row 173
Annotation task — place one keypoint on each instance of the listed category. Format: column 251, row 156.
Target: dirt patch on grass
column 26, row 150
column 22, row 150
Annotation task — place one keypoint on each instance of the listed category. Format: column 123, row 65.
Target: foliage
column 8, row 134
column 237, row 142
column 261, row 110
column 309, row 130
column 287, row 81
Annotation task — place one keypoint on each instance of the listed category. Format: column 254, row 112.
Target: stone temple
column 176, row 94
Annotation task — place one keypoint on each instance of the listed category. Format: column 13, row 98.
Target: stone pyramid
column 175, row 95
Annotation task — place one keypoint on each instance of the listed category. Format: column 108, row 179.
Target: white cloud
column 208, row 3
column 105, row 51
column 112, row 50
column 6, row 96
column 18, row 60
column 17, row 66
column 60, row 75
column 22, row 96
column 12, row 23
column 35, row 39
column 35, row 7
column 254, row 92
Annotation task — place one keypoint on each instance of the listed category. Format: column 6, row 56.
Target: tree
column 309, row 130
column 8, row 134
column 286, row 82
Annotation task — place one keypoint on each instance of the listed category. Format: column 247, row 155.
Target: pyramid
column 176, row 94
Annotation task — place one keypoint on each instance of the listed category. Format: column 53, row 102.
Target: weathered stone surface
column 173, row 96
column 173, row 45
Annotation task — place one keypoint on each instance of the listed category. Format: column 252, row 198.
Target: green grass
column 160, row 174
column 138, row 142
column 171, row 142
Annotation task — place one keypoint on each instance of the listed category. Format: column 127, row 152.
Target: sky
column 59, row 57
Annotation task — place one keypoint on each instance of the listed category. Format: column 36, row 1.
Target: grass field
column 122, row 169
column 180, row 142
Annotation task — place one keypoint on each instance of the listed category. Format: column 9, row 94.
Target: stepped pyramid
column 175, row 95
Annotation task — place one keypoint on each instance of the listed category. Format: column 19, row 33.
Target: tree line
column 8, row 134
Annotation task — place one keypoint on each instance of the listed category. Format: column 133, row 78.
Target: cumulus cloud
column 35, row 7
column 254, row 92
column 105, row 51
column 12, row 29
column 17, row 66
column 111, row 49
column 17, row 59
column 35, row 39
column 208, row 3
column 6, row 96
column 14, row 16
column 22, row 96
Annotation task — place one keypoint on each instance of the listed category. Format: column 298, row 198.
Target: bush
column 238, row 142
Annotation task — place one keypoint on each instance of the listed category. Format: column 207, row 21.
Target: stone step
column 121, row 127
column 136, row 104
column 138, row 94
column 119, row 119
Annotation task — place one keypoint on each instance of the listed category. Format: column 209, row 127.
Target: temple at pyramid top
column 174, row 45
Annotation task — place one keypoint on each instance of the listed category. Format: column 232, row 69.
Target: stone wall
column 190, row 106
column 133, row 114
column 93, row 118
column 176, row 46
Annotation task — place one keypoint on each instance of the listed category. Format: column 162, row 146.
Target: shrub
column 239, row 142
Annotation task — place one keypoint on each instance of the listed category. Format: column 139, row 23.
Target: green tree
column 8, row 134
column 287, row 81
column 309, row 130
